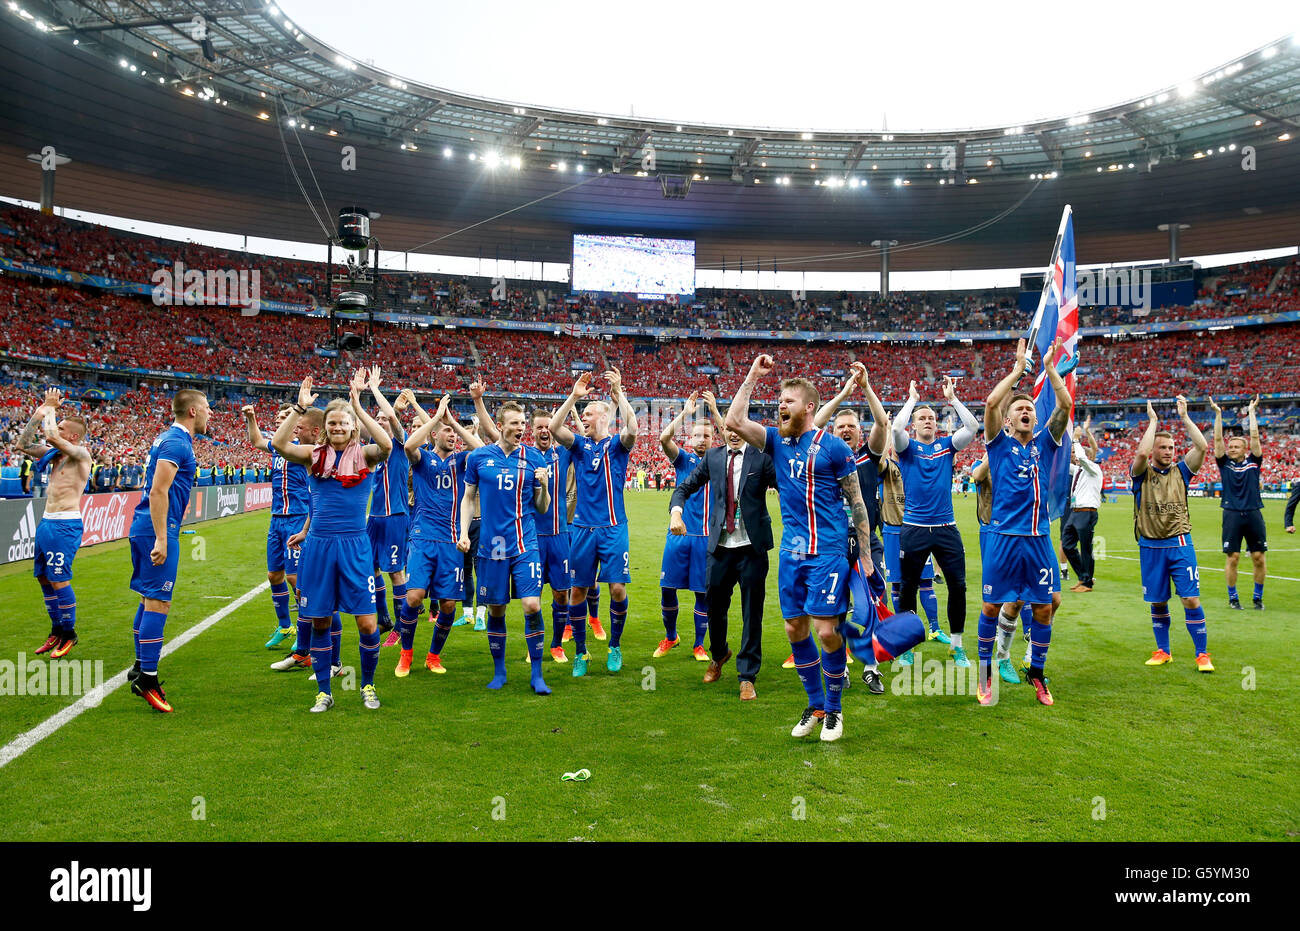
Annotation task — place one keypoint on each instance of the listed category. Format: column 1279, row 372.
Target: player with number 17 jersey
column 813, row 568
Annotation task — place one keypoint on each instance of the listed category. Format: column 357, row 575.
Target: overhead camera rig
column 353, row 289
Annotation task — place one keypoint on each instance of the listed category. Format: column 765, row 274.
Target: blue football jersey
column 1240, row 483
column 1018, row 475
column 556, row 519
column 927, row 481
column 506, row 483
column 808, row 473
column 334, row 508
column 439, row 485
column 695, row 513
column 389, row 495
column 289, row 491
column 601, row 470
column 174, row 445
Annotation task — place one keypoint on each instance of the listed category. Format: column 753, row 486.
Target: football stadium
column 497, row 468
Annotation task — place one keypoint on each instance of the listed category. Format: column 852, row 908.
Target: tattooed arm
column 852, row 492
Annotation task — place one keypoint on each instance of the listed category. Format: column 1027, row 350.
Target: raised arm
column 27, row 440
column 751, row 431
column 995, row 405
column 667, row 439
column 980, row 473
column 1253, row 425
column 487, row 427
column 282, row 442
column 1059, row 419
column 852, row 492
column 559, row 428
column 630, row 425
column 1146, row 444
column 965, row 435
column 1220, row 450
column 421, row 434
column 714, row 413
column 1090, row 441
column 377, row 451
column 1195, row 457
column 471, row 438
column 826, row 413
column 255, row 438
column 878, row 438
column 904, row 418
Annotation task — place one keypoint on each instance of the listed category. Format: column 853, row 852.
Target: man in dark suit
column 1288, row 519
column 740, row 534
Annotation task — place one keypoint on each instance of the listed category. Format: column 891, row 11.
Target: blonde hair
column 339, row 404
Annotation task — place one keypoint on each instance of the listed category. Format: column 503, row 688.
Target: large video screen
column 648, row 268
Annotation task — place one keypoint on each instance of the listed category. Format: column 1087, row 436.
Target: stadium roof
column 225, row 116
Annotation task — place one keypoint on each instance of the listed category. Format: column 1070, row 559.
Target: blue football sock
column 280, row 601
column 617, row 618
column 593, row 600
column 1026, row 618
column 559, row 617
column 988, row 636
column 336, row 635
column 1196, row 627
column 930, row 603
column 67, row 609
column 701, row 617
column 1259, row 591
column 135, row 629
column 496, row 633
column 151, row 640
column 369, row 656
column 1160, row 627
column 441, row 628
column 833, row 662
column 381, row 598
column 320, row 657
column 1040, row 637
column 578, row 621
column 895, row 592
column 534, row 632
column 1232, row 592
column 51, row 605
column 406, row 616
column 303, row 645
column 399, row 598
column 668, row 603
column 807, row 662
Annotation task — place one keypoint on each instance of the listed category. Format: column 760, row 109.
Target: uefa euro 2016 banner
column 108, row 516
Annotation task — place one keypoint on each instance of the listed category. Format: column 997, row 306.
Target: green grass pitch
column 1127, row 753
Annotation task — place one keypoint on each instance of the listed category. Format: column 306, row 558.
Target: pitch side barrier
column 107, row 517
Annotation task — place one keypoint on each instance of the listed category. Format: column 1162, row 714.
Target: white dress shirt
column 740, row 537
column 1085, row 481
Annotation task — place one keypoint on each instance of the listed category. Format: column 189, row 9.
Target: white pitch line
column 1245, row 570
column 25, row 741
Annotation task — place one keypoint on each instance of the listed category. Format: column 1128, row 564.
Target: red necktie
column 731, row 491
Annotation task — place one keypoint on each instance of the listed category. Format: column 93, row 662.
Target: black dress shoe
column 875, row 684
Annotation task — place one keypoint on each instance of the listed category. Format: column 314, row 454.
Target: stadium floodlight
column 516, row 162
column 806, row 137
column 293, row 124
column 123, row 62
column 263, row 115
column 1087, row 154
column 1268, row 52
column 562, row 166
column 1284, row 137
column 1078, row 120
column 579, row 169
column 1187, row 90
column 1232, row 147
column 473, row 157
column 446, row 152
column 492, row 159
column 898, row 182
